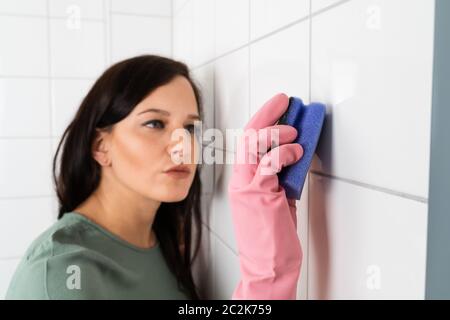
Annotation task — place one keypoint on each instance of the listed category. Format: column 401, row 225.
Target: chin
column 175, row 196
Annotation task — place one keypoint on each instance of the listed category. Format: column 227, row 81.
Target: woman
column 126, row 208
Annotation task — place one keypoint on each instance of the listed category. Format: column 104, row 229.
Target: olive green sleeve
column 28, row 282
column 69, row 276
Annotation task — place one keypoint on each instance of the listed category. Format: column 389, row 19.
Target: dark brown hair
column 112, row 97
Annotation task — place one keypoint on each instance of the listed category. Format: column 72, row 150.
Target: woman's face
column 140, row 148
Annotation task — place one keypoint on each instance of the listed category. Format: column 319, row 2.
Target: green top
column 76, row 258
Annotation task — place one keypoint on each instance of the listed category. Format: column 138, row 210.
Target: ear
column 100, row 148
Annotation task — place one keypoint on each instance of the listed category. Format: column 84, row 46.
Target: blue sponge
column 308, row 121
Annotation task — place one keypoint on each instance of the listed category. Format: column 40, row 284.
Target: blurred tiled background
column 363, row 214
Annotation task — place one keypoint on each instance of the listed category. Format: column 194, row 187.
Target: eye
column 152, row 123
column 190, row 128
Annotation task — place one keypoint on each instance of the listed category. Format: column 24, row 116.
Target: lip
column 178, row 174
column 179, row 171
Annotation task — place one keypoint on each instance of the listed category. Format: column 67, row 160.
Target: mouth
column 179, row 171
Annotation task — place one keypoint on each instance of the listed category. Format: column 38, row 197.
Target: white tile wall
column 231, row 95
column 221, row 218
column 203, row 266
column 67, row 96
column 125, row 43
column 362, row 216
column 19, row 99
column 377, row 80
column 84, row 9
column 364, row 244
column 56, row 51
column 226, row 263
column 232, row 24
column 82, row 43
column 29, row 217
column 143, row 7
column 269, row 15
column 317, row 5
column 26, row 42
column 24, row 7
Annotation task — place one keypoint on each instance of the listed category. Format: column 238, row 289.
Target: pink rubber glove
column 264, row 220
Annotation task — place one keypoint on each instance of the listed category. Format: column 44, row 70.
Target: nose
column 179, row 148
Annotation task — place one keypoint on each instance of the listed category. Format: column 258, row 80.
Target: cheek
column 135, row 158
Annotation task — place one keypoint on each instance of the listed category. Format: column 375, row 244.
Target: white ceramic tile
column 183, row 34
column 203, row 265
column 222, row 223
column 364, row 244
column 207, row 176
column 33, row 7
column 7, row 269
column 24, row 107
column 152, row 7
column 203, row 27
column 375, row 74
column 25, row 167
column 207, row 208
column 279, row 64
column 77, row 48
column 231, row 94
column 178, row 5
column 269, row 15
column 226, row 271
column 204, row 79
column 54, row 207
column 77, row 9
column 317, row 5
column 25, row 42
column 232, row 24
column 22, row 221
column 133, row 35
column 67, row 97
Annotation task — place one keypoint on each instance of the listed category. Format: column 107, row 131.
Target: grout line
column 328, row 8
column 373, row 187
column 220, row 239
column 291, row 24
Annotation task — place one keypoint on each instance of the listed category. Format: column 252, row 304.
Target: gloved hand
column 264, row 220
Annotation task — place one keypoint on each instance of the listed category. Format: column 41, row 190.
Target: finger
column 272, row 163
column 270, row 112
column 273, row 136
column 293, row 208
column 254, row 144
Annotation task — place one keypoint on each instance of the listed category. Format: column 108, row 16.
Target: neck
column 123, row 212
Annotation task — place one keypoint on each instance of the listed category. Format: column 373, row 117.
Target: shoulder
column 59, row 265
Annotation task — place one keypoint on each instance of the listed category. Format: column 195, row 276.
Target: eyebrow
column 167, row 113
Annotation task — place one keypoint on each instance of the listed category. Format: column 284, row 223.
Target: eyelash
column 190, row 126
